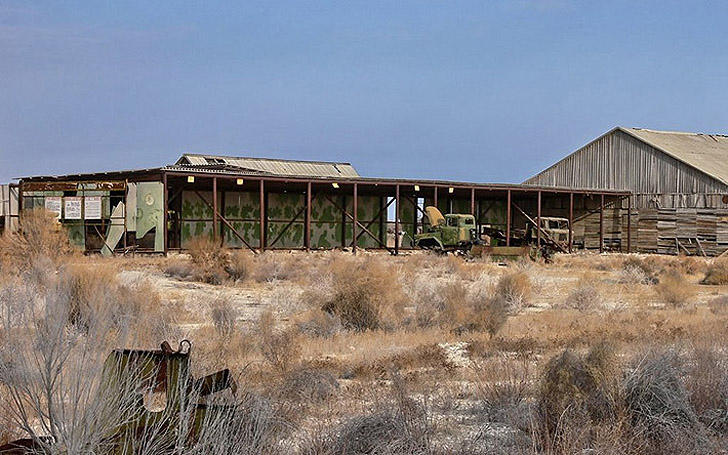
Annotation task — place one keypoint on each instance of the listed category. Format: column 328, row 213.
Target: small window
column 215, row 161
column 468, row 221
column 452, row 221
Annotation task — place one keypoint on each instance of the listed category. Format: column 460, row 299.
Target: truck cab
column 448, row 232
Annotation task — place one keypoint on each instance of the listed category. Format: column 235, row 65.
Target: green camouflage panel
column 242, row 210
column 196, row 218
column 282, row 208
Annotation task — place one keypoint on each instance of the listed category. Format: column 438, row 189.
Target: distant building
column 679, row 183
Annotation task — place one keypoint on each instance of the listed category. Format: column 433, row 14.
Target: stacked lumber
column 666, row 231
column 721, row 231
column 706, row 230
column 647, row 231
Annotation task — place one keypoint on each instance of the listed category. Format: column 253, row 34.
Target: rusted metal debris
column 165, row 373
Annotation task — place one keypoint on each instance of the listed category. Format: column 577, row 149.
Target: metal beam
column 545, row 234
column 355, row 219
column 508, row 218
column 307, row 227
column 262, row 215
column 348, row 215
column 165, row 216
column 396, row 221
column 215, row 233
column 379, row 217
column 226, row 223
column 472, row 201
column 287, row 226
column 538, row 220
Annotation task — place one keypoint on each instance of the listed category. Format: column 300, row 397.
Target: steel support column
column 215, row 230
column 261, row 190
column 571, row 222
column 307, row 228
column 508, row 219
column 396, row 220
column 538, row 220
column 165, row 216
column 601, row 225
column 472, row 201
column 435, row 198
column 356, row 220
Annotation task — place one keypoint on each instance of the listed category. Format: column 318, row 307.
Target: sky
column 483, row 91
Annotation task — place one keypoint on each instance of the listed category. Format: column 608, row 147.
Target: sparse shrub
column 674, row 289
column 277, row 346
column 210, row 259
column 658, row 404
column 515, row 288
column 318, row 323
column 40, row 236
column 707, row 386
column 690, row 265
column 240, row 266
column 308, row 384
column 717, row 273
column 504, row 386
column 365, row 294
column 576, row 387
column 719, row 305
column 585, row 296
column 638, row 271
column 224, row 316
column 275, row 266
column 397, row 425
column 491, row 314
column 181, row 269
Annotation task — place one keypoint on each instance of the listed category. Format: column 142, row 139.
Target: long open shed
column 264, row 204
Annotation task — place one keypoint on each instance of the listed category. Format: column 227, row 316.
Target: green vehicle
column 452, row 232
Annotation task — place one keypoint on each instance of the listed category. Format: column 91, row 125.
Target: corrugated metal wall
column 620, row 161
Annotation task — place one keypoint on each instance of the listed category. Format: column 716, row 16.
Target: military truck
column 458, row 232
column 166, row 401
column 452, row 232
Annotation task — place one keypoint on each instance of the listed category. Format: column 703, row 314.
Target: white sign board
column 53, row 204
column 72, row 208
column 92, row 207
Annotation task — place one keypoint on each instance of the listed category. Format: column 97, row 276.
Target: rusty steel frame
column 351, row 217
column 226, row 222
column 538, row 227
column 290, row 223
column 377, row 217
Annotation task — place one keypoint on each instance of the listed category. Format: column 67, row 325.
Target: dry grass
column 364, row 294
column 515, row 288
column 39, row 238
column 675, row 289
column 478, row 374
column 586, row 295
column 717, row 272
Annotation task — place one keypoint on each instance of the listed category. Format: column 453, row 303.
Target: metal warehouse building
column 679, row 183
column 264, row 204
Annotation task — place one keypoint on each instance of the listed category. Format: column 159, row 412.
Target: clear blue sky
column 488, row 91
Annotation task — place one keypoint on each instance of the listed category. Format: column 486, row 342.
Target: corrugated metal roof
column 274, row 166
column 707, row 153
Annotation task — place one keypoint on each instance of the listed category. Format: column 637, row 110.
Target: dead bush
column 691, row 265
column 40, row 236
column 674, row 289
column 719, row 305
column 515, row 288
column 308, row 384
column 275, row 266
column 395, row 425
column 717, row 273
column 707, row 386
column 318, row 323
column 504, row 389
column 658, row 403
column 364, row 294
column 278, row 347
column 585, row 296
column 224, row 316
column 575, row 388
column 179, row 268
column 491, row 314
column 638, row 271
column 210, row 259
column 239, row 266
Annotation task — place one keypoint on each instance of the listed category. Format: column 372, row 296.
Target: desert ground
column 335, row 353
